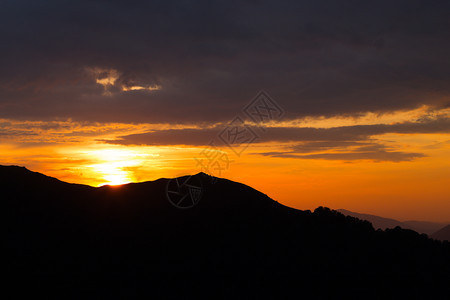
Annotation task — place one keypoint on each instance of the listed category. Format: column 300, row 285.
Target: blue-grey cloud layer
column 211, row 57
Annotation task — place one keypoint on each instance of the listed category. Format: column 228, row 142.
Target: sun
column 113, row 173
column 114, row 165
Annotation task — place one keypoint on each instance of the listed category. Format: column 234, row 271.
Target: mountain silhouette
column 442, row 234
column 377, row 222
column 424, row 226
column 70, row 241
column 385, row 223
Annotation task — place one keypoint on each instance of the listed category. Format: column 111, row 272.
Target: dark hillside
column 71, row 240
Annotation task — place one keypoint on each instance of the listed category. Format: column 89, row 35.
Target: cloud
column 343, row 134
column 104, row 77
column 319, row 58
column 346, row 151
column 336, row 143
column 140, row 88
column 377, row 156
column 64, row 131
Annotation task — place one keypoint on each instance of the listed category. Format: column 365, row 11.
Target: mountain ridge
column 426, row 227
column 442, row 234
column 117, row 241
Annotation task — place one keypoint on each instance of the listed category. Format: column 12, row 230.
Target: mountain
column 442, row 234
column 424, row 227
column 384, row 223
column 377, row 222
column 70, row 241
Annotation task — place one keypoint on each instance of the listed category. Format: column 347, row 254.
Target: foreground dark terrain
column 432, row 229
column 70, row 241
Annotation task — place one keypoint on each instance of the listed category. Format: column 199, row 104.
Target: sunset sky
column 344, row 104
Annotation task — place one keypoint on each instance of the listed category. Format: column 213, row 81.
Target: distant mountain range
column 428, row 228
column 442, row 234
column 200, row 237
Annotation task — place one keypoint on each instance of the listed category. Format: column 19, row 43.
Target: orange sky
column 412, row 189
column 354, row 111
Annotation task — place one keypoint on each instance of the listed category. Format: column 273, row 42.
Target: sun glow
column 410, row 189
column 115, row 164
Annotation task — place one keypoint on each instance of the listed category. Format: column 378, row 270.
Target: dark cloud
column 212, row 57
column 308, row 147
column 345, row 135
column 378, row 156
column 345, row 150
column 345, row 143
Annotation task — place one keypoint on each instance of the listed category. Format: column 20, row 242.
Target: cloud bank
column 201, row 61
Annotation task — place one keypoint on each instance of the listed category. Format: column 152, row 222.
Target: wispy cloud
column 201, row 137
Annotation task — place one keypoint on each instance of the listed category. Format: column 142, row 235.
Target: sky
column 344, row 104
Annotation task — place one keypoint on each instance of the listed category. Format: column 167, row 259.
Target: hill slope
column 377, row 222
column 384, row 223
column 72, row 241
column 442, row 234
